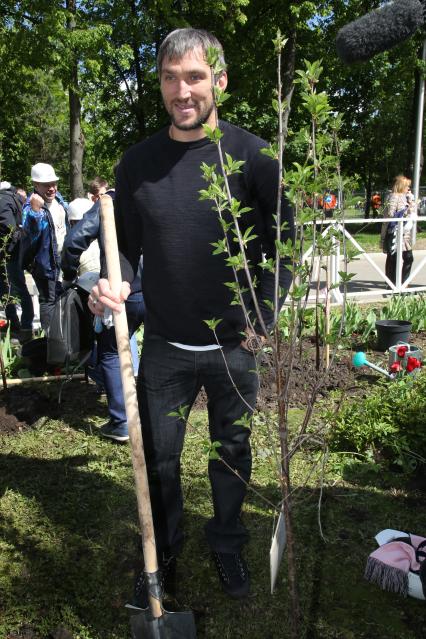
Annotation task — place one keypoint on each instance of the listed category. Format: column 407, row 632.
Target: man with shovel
column 159, row 214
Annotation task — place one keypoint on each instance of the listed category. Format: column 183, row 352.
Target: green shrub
column 361, row 320
column 390, row 422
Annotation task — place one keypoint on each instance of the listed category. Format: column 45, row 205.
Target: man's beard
column 197, row 124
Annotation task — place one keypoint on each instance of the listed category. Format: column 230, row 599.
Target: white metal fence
column 336, row 259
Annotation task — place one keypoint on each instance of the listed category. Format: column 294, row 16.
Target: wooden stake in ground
column 327, row 313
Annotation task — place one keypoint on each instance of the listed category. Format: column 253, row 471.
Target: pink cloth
column 399, row 554
column 389, row 565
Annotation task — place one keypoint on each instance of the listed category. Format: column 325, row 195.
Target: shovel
column 154, row 622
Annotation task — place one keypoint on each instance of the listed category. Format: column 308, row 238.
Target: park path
column 367, row 285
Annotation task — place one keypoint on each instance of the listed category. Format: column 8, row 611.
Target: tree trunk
column 76, row 134
column 294, row 604
column 139, row 111
column 76, row 140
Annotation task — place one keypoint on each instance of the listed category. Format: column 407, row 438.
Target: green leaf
column 214, row 135
column 220, row 96
column 210, row 449
column 346, row 277
column 181, row 412
column 270, row 151
column 268, row 265
column 236, row 261
column 269, row 304
column 212, row 323
column 244, row 420
column 220, row 247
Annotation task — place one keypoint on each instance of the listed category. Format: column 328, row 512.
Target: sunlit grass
column 69, row 539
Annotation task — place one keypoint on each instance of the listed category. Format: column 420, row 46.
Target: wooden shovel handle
column 130, row 397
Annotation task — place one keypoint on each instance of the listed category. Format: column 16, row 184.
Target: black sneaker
column 118, row 433
column 233, row 574
column 167, row 570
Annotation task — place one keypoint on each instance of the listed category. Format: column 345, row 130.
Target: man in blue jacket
column 76, row 243
column 45, row 223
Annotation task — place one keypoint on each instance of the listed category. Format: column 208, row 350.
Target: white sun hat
column 78, row 207
column 42, row 172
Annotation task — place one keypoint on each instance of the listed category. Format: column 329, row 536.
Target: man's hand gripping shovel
column 154, row 622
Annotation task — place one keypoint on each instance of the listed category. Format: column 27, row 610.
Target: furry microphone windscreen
column 379, row 30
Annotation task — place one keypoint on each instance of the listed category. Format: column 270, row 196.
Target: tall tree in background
column 76, row 133
column 32, row 101
column 104, row 54
column 376, row 99
column 55, row 40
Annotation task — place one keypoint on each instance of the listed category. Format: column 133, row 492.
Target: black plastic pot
column 390, row 332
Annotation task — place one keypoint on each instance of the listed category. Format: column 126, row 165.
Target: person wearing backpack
column 78, row 242
column 45, row 224
column 12, row 278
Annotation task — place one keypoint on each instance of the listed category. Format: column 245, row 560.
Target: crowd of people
column 57, row 243
column 159, row 214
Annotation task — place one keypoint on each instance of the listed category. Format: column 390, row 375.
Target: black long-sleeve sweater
column 159, row 213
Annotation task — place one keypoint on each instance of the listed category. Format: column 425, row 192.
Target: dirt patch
column 308, row 377
column 21, row 407
column 9, row 424
column 26, row 406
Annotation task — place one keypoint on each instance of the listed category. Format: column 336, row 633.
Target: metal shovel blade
column 171, row 625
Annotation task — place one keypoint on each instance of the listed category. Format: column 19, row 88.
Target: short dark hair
column 180, row 41
column 97, row 184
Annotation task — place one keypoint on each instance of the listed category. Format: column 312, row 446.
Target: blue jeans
column 95, row 369
column 170, row 378
column 110, row 363
column 16, row 286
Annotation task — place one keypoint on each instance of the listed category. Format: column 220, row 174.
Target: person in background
column 13, row 286
column 329, row 202
column 159, row 213
column 104, row 367
column 89, row 260
column 376, row 203
column 22, row 194
column 45, row 224
column 399, row 204
column 97, row 187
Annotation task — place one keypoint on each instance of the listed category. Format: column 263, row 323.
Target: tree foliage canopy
column 115, row 43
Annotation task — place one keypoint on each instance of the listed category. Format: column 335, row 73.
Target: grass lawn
column 370, row 242
column 368, row 235
column 69, row 539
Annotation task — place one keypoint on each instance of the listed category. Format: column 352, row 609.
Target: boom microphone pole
column 379, row 31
